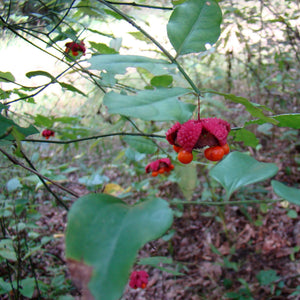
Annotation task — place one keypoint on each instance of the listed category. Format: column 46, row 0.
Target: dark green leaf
column 288, row 193
column 162, row 81
column 156, row 105
column 193, row 24
column 239, row 169
column 104, row 235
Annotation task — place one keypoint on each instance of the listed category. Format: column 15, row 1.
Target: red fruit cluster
column 159, row 166
column 196, row 134
column 75, row 48
column 47, row 133
column 138, row 279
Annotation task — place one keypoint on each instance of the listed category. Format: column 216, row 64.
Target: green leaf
column 7, row 250
column 139, row 36
column 246, row 136
column 239, row 169
column 266, row 277
column 193, row 24
column 40, row 73
column 5, row 287
column 104, row 235
column 155, row 262
column 187, row 179
column 254, row 110
column 27, row 287
column 9, row 129
column 290, row 194
column 6, row 77
column 43, row 121
column 156, row 105
column 162, row 81
column 103, row 48
column 13, row 184
column 141, row 144
column 71, row 88
column 288, row 120
column 117, row 64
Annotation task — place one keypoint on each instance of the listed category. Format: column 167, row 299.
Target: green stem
column 154, row 41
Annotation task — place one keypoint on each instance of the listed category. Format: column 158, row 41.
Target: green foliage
column 157, row 105
column 239, row 169
column 290, row 194
column 98, row 234
column 194, row 24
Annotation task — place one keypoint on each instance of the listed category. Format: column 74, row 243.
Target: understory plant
column 161, row 113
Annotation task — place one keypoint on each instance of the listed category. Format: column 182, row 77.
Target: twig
column 140, row 5
column 16, row 162
column 94, row 137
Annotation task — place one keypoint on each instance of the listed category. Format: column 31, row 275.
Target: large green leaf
column 193, row 24
column 118, row 64
column 156, row 105
column 288, row 193
column 239, row 169
column 104, row 235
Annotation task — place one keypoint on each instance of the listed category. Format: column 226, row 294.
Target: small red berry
column 154, row 173
column 226, row 149
column 185, row 157
column 176, row 148
column 214, row 153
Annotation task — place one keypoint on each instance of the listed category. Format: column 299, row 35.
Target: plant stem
column 154, row 41
column 95, row 137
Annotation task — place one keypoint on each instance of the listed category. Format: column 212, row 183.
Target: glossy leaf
column 141, row 144
column 290, row 194
column 104, row 235
column 118, row 64
column 239, row 169
column 156, row 105
column 193, row 24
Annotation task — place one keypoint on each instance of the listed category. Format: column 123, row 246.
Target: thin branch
column 94, row 137
column 154, row 41
column 16, row 162
column 140, row 5
column 62, row 19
